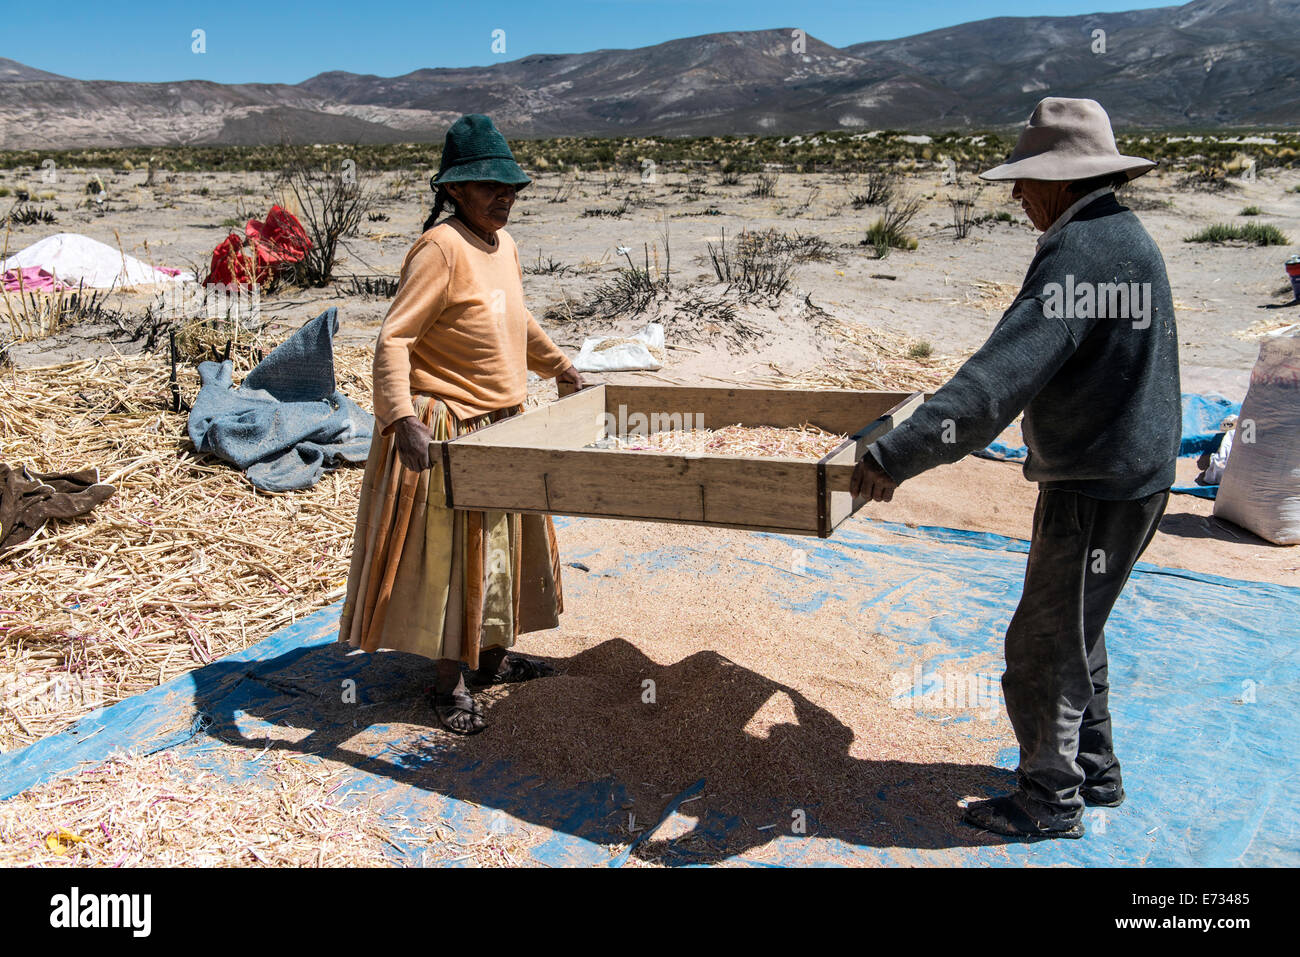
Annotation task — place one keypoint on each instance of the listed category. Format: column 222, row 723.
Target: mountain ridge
column 1204, row 63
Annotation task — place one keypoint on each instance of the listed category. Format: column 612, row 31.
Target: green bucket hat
column 476, row 150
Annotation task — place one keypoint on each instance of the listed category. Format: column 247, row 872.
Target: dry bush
column 333, row 198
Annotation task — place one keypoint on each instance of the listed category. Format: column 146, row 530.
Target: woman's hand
column 572, row 377
column 413, row 438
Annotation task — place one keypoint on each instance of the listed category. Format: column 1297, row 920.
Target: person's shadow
column 1191, row 525
column 604, row 748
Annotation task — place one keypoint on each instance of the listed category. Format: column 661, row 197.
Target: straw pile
column 876, row 360
column 187, row 562
column 162, row 811
column 1267, row 327
column 763, row 441
column 987, row 296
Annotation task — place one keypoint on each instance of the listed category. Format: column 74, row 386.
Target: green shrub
column 1255, row 234
column 888, row 231
column 1250, row 211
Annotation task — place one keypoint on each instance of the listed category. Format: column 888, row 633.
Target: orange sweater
column 458, row 329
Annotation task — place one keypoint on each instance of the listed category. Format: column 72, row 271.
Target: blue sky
column 269, row 42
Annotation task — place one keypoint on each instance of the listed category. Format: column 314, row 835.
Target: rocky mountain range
column 1207, row 63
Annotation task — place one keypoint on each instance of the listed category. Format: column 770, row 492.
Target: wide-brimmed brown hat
column 1067, row 139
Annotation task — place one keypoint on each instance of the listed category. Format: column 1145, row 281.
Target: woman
column 453, row 356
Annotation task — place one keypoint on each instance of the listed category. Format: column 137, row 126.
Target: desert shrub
column 963, row 215
column 615, row 213
column 1254, row 234
column 378, row 287
column 754, row 264
column 548, row 268
column 333, row 199
column 889, row 230
column 764, row 185
column 1208, row 179
column 27, row 215
column 877, row 189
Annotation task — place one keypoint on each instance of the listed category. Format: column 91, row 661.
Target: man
column 1089, row 351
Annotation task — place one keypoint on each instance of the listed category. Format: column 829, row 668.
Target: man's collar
column 1070, row 213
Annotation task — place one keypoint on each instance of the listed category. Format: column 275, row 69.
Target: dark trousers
column 1056, row 685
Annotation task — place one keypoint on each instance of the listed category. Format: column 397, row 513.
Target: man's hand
column 571, row 376
column 872, row 482
column 413, row 438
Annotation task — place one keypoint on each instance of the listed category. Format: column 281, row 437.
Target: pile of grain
column 777, row 707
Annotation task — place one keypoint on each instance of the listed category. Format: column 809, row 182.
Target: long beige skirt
column 439, row 582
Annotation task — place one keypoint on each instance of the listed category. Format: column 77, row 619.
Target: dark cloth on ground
column 28, row 501
column 1056, row 685
column 286, row 423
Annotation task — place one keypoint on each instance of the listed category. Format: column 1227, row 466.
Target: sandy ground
column 942, row 292
column 987, row 496
column 947, row 292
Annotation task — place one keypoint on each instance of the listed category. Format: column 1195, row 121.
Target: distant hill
column 1206, row 63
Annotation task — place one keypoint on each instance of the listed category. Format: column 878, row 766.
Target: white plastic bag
column 645, row 350
column 1213, row 473
column 1260, row 490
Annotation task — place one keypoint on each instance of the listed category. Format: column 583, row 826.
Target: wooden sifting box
column 536, row 461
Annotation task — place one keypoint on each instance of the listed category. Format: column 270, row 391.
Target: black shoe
column 1102, row 795
column 512, row 670
column 1010, row 815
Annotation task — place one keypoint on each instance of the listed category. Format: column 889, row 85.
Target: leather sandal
column 458, row 712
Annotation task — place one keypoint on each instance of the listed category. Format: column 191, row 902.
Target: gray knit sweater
column 1088, row 350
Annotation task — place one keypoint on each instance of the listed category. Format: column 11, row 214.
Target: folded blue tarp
column 1202, row 415
column 286, row 423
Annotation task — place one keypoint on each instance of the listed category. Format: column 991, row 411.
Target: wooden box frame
column 536, row 461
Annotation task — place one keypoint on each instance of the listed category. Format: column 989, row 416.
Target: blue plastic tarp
column 1204, row 673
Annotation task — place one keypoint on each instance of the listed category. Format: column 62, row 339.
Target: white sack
column 644, row 351
column 1260, row 490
